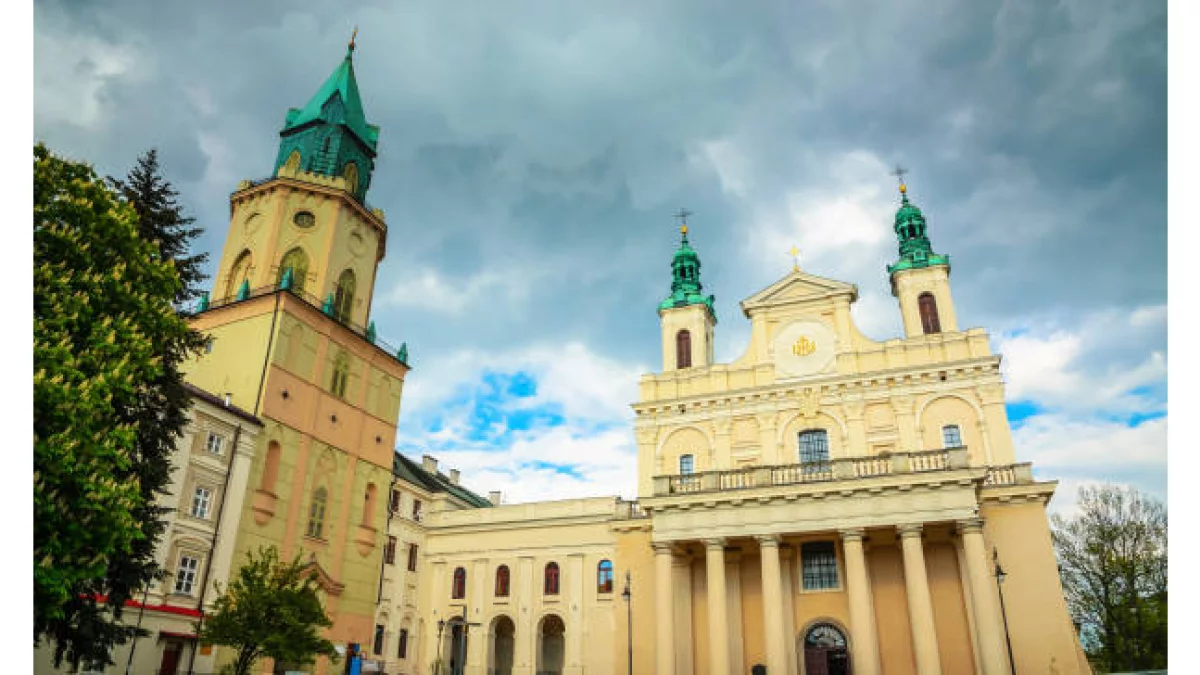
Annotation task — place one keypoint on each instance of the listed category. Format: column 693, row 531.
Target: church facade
column 824, row 504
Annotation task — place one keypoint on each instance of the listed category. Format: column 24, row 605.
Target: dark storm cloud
column 531, row 153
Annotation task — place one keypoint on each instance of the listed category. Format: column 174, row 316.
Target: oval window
column 304, row 219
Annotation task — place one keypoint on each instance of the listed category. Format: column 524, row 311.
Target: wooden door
column 170, row 658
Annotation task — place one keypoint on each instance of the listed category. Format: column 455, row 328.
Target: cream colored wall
column 239, row 337
column 697, row 321
column 908, row 285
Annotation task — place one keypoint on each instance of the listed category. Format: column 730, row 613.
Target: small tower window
column 951, row 436
column 351, row 175
column 238, row 273
column 296, row 260
column 316, row 514
column 343, row 298
column 927, row 305
column 683, row 349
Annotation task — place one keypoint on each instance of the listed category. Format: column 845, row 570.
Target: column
column 684, row 635
column 786, row 564
column 983, row 598
column 772, row 595
column 862, row 616
column 733, row 604
column 920, row 604
column 718, row 621
column 664, row 610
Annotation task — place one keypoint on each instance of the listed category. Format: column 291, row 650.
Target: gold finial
column 899, row 172
column 683, row 229
column 352, row 37
column 795, row 258
column 682, row 216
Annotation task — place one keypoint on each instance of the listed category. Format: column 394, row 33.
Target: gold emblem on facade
column 804, row 346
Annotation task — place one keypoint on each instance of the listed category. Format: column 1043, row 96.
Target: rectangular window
column 951, row 436
column 185, row 574
column 378, row 640
column 814, row 446
column 402, row 651
column 417, row 510
column 214, row 443
column 819, row 563
column 389, row 552
column 412, row 557
column 687, row 465
column 200, row 503
column 395, row 504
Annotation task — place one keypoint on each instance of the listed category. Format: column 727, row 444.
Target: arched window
column 238, row 273
column 814, row 446
column 316, row 514
column 351, row 175
column 340, row 376
column 458, row 589
column 683, row 349
column 550, row 587
column 325, row 145
column 604, row 577
column 368, row 505
column 929, row 313
column 687, row 464
column 343, row 297
column 270, row 468
column 502, row 581
column 951, row 436
column 293, row 161
column 297, row 260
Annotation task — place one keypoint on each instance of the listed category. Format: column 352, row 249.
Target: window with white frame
column 214, row 443
column 951, row 436
column 185, row 574
column 201, row 500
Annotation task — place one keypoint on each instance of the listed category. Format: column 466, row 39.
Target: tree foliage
column 104, row 331
column 1113, row 562
column 270, row 609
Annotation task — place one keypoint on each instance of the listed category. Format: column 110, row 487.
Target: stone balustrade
column 846, row 468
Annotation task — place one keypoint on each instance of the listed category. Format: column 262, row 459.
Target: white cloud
column 71, row 71
column 429, row 290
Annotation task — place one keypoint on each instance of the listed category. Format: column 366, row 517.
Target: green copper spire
column 910, row 227
column 330, row 135
column 686, row 288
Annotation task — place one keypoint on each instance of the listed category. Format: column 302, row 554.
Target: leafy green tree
column 105, row 332
column 270, row 609
column 1113, row 562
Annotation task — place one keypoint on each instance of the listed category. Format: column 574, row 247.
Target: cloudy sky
column 532, row 153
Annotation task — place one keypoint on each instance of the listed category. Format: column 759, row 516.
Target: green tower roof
column 686, row 288
column 340, row 83
column 911, row 231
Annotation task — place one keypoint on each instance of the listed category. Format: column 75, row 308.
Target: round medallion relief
column 304, row 219
column 803, row 348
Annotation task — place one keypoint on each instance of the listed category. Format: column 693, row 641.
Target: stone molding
column 906, row 530
column 767, row 540
column 853, row 534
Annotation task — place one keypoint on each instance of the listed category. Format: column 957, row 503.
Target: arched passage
column 551, row 645
column 824, row 648
column 500, row 646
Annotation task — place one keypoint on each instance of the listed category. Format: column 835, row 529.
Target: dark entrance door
column 825, row 651
column 172, row 650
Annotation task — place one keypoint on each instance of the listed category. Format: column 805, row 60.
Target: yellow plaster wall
column 891, row 610
column 908, row 285
column 239, row 337
column 951, row 408
column 949, row 608
column 632, row 552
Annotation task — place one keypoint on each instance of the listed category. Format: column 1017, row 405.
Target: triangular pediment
column 798, row 287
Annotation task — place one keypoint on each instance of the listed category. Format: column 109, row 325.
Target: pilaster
column 863, row 641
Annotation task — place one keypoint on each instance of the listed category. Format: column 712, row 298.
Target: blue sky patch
column 1019, row 411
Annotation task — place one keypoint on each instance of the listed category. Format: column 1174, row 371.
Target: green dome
column 915, row 248
column 686, row 288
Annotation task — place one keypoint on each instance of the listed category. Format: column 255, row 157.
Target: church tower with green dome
column 687, row 315
column 920, row 277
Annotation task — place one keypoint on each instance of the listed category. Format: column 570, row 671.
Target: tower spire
column 350, row 47
column 911, row 233
column 686, row 288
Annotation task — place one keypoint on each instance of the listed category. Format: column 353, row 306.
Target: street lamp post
column 1000, row 575
column 629, row 605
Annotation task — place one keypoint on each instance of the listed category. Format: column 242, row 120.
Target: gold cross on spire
column 899, row 172
column 682, row 216
column 352, row 37
column 795, row 258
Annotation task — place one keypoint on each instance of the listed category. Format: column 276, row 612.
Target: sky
column 531, row 155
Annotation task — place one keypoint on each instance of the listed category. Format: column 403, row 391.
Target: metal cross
column 682, row 216
column 899, row 172
column 352, row 37
column 795, row 259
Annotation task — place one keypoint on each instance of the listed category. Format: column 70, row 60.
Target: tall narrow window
column 412, row 557
column 343, row 297
column 351, row 175
column 402, row 651
column 238, row 273
column 389, row 551
column 200, row 502
column 814, row 446
column 683, row 349
column 185, row 574
column 394, row 507
column 417, row 510
column 378, row 640
column 459, row 588
column 551, row 583
column 297, row 261
column 214, row 442
column 316, row 514
column 502, row 581
column 929, row 313
column 687, row 465
column 340, row 376
column 951, row 436
column 819, row 565
column 604, row 577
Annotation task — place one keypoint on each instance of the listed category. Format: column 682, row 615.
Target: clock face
column 803, row 348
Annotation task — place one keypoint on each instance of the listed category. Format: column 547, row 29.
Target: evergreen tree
column 1113, row 562
column 107, row 344
column 270, row 609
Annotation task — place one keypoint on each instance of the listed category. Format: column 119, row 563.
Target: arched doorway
column 551, row 645
column 500, row 647
column 824, row 649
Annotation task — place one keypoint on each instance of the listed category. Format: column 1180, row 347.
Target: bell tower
column 308, row 226
column 687, row 316
column 920, row 278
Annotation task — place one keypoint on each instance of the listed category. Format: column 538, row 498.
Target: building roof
column 412, row 472
column 218, row 402
column 341, row 83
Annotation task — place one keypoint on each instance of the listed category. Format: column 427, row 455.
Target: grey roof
column 412, row 472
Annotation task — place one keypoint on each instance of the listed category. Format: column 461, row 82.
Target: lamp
column 1000, row 577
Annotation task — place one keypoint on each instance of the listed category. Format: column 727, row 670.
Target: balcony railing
column 847, row 468
column 629, row 511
